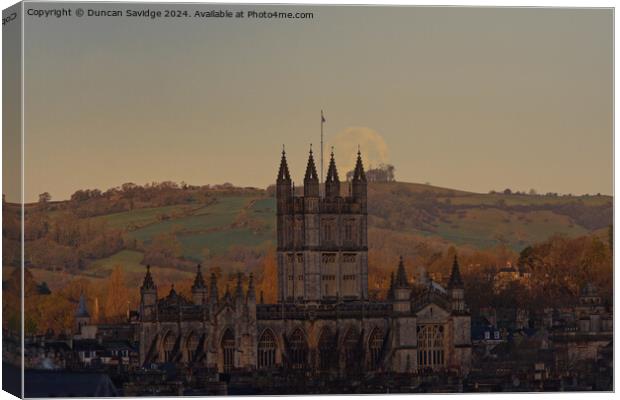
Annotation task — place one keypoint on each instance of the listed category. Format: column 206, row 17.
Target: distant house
column 89, row 351
column 508, row 274
column 50, row 355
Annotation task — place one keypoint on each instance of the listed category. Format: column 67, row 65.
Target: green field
column 129, row 220
column 465, row 219
column 485, row 228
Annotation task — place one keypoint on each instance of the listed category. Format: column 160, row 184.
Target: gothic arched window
column 351, row 351
column 191, row 346
column 430, row 346
column 375, row 344
column 327, row 350
column 299, row 350
column 228, row 350
column 267, row 350
column 169, row 342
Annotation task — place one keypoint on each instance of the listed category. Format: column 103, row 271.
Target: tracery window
column 228, row 350
column 351, row 351
column 327, row 233
column 430, row 346
column 298, row 349
column 348, row 231
column 191, row 346
column 327, row 350
column 267, row 350
column 169, row 342
column 375, row 344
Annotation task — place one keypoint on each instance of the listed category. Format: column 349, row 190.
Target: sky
column 476, row 99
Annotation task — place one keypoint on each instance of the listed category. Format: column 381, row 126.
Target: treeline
column 66, row 242
column 130, row 196
column 405, row 209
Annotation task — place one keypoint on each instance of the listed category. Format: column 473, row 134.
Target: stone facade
column 323, row 320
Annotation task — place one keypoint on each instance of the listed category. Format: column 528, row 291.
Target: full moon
column 371, row 144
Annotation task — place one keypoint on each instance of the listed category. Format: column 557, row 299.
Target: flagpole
column 322, row 121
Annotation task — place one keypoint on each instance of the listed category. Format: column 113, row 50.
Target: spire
column 401, row 276
column 359, row 175
column 173, row 293
column 239, row 290
column 227, row 296
column 455, row 277
column 332, row 172
column 311, row 179
column 82, row 311
column 311, row 174
column 251, row 289
column 332, row 183
column 390, row 293
column 213, row 292
column 148, row 280
column 199, row 282
column 283, row 175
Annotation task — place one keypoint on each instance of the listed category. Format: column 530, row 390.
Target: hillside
column 236, row 227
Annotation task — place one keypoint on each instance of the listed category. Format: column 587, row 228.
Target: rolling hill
column 477, row 221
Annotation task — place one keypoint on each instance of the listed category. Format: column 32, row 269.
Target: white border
column 478, row 3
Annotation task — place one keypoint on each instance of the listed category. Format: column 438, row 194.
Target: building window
column 228, row 350
column 299, row 350
column 430, row 346
column 351, row 351
column 327, row 351
column 169, row 342
column 349, row 231
column 375, row 344
column 191, row 347
column 267, row 350
column 300, row 258
column 328, row 258
column 349, row 258
column 327, row 233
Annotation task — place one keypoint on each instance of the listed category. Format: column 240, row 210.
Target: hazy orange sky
column 468, row 98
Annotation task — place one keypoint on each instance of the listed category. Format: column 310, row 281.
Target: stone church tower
column 322, row 240
column 323, row 320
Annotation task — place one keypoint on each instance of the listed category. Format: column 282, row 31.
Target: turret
column 239, row 293
column 332, row 183
column 251, row 297
column 199, row 288
column 456, row 289
column 148, row 297
column 227, row 298
column 390, row 293
column 284, row 190
column 213, row 291
column 402, row 290
column 311, row 179
column 82, row 316
column 359, row 183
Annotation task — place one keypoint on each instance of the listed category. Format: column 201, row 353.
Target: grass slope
column 459, row 217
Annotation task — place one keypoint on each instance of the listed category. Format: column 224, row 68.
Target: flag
column 322, row 117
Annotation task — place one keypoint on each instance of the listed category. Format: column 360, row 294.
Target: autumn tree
column 269, row 279
column 117, row 295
